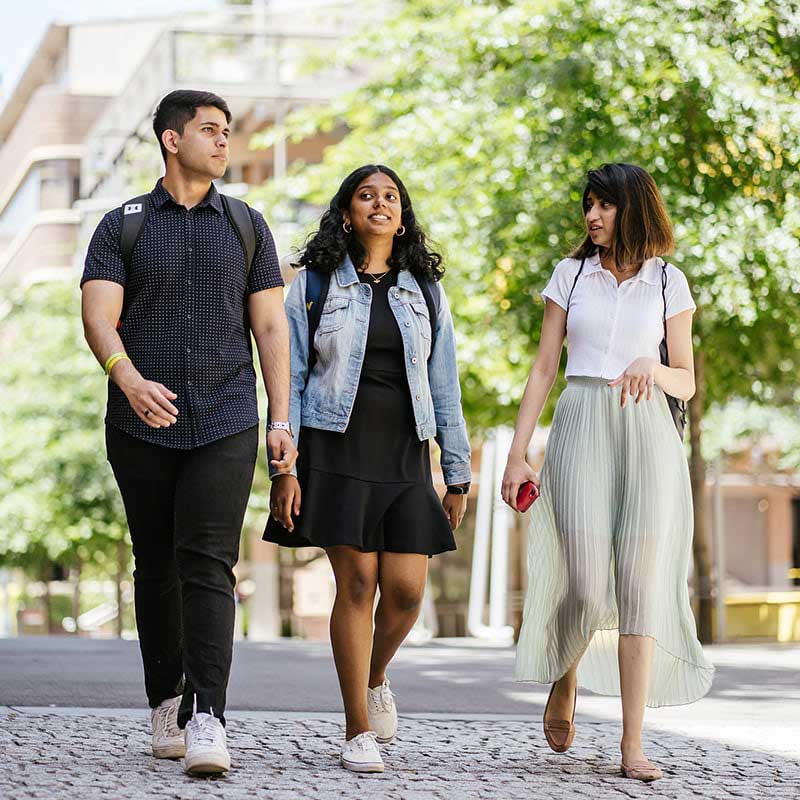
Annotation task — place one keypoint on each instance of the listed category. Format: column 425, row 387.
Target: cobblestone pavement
column 284, row 756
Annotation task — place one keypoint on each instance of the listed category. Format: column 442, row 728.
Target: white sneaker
column 206, row 748
column 382, row 712
column 361, row 754
column 167, row 736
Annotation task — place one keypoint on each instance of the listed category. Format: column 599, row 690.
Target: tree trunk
column 76, row 594
column 697, row 471
column 48, row 625
column 122, row 571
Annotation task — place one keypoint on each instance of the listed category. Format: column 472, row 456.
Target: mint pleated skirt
column 609, row 546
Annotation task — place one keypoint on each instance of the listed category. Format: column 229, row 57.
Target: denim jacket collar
column 405, row 280
column 346, row 275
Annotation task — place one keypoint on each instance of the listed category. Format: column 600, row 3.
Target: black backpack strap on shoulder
column 316, row 293
column 134, row 218
column 574, row 282
column 238, row 212
column 676, row 407
column 433, row 295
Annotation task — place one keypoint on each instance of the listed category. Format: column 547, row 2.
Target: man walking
column 174, row 283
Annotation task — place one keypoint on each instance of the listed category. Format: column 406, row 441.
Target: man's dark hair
column 179, row 107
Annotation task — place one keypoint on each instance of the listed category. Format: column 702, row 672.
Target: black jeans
column 185, row 510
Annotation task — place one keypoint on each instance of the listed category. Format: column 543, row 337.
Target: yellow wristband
column 114, row 359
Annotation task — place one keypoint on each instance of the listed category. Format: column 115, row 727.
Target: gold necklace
column 379, row 277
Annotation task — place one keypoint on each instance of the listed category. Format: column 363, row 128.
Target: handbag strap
column 574, row 282
column 664, row 299
column 681, row 404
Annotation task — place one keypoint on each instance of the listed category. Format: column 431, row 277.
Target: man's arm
column 271, row 332
column 101, row 305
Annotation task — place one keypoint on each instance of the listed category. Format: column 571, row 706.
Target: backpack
column 677, row 408
column 134, row 218
column 317, row 290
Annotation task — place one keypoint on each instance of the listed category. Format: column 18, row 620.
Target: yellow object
column 113, row 359
column 767, row 615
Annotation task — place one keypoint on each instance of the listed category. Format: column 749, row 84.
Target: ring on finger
column 147, row 413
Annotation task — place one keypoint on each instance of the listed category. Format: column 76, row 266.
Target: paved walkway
column 294, row 756
column 743, row 740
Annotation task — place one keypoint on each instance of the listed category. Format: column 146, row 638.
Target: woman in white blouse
column 610, row 537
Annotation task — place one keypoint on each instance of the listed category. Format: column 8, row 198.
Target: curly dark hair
column 325, row 250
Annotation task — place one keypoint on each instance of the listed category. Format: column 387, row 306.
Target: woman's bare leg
column 635, row 656
column 351, row 629
column 401, row 577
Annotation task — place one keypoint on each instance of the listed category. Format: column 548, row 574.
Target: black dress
column 370, row 487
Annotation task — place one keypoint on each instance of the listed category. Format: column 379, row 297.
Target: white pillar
column 491, row 530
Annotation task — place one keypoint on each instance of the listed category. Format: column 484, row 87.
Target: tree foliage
column 493, row 111
column 58, row 499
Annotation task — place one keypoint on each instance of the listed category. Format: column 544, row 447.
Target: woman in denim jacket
column 383, row 381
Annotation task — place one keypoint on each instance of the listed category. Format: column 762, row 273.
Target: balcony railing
column 289, row 58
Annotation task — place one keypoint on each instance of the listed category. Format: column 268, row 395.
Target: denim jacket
column 324, row 399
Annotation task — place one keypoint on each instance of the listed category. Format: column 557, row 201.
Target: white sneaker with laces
column 360, row 754
column 206, row 747
column 382, row 712
column 167, row 736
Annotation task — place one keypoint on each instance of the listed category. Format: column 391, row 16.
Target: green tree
column 493, row 112
column 58, row 499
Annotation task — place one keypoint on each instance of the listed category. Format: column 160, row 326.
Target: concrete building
column 76, row 139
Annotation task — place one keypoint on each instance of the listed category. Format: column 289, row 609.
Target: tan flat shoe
column 642, row 771
column 559, row 732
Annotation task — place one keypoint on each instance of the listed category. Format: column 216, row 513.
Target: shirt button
column 418, row 397
column 408, row 324
column 414, row 360
column 188, row 316
column 191, row 249
column 188, row 283
column 188, row 383
column 188, row 349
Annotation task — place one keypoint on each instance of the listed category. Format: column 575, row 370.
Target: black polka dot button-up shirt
column 183, row 315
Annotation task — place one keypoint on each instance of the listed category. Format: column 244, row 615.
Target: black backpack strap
column 238, row 212
column 134, row 218
column 680, row 405
column 577, row 275
column 664, row 299
column 433, row 296
column 316, row 293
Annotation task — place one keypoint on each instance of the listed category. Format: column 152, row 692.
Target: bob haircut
column 642, row 228
column 326, row 248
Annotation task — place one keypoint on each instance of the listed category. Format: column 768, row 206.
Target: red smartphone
column 527, row 493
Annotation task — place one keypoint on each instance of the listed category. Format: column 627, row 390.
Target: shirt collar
column 649, row 273
column 160, row 196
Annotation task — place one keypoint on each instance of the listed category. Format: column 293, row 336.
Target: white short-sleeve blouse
column 610, row 326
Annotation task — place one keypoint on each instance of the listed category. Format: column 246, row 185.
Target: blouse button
column 414, row 360
column 408, row 324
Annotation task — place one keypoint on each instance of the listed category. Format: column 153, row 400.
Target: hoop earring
column 346, row 229
column 400, row 231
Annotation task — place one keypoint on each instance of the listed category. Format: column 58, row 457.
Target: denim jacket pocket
column 423, row 318
column 334, row 314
